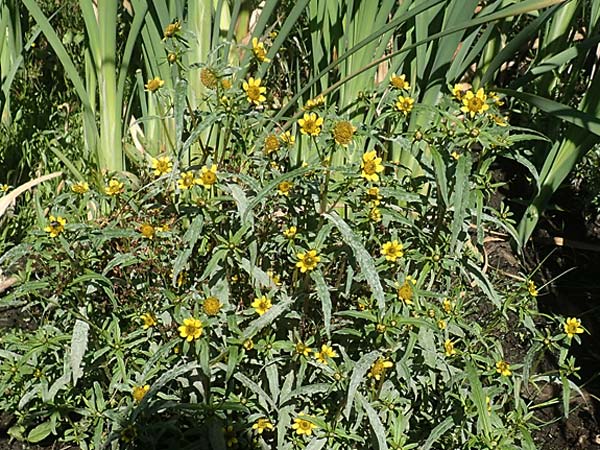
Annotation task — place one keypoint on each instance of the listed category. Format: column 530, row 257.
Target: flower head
column 312, row 103
column 154, row 84
column 172, row 29
column 405, row 104
column 343, row 132
column 447, row 305
column 149, row 320
column 4, row 188
column 302, row 349
column 325, row 353
column 405, row 291
column 271, row 144
column 114, row 187
column 191, row 329
column 139, row 392
column 254, row 90
column 572, row 327
column 449, row 348
column 262, row 424
column 303, row 426
column 310, row 124
column 284, row 188
column 532, row 288
column 371, row 166
column 503, row 368
column 290, row 232
column 288, row 138
column 258, row 48
column 208, row 176
column 248, row 344
column 56, row 226
column 261, row 304
column 211, row 306
column 458, row 91
column 474, row 103
column 375, row 214
column 186, row 180
column 307, row 261
column 378, row 368
column 373, row 195
column 162, row 165
column 80, row 187
column 147, row 230
column 392, row 250
column 399, row 82
column 208, row 78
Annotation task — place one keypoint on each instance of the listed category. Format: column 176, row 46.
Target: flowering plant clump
column 260, row 295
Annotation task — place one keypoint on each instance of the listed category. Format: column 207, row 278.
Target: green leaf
column 365, row 261
column 255, row 388
column 267, row 318
column 460, row 198
column 358, row 374
column 378, row 430
column 190, row 238
column 316, row 444
column 79, row 342
column 478, row 397
column 40, row 432
column 323, row 294
column 438, row 432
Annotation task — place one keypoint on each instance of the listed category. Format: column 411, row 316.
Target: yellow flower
column 303, row 426
column 154, row 84
column 474, row 103
column 56, row 226
column 310, row 124
column 405, row 292
column 262, row 424
column 275, row 278
column 4, row 187
column 302, row 349
column 226, row 83
column 449, row 348
column 343, row 133
column 284, row 188
column 271, row 144
column 458, row 91
column 208, row 78
column 392, row 250
column 254, row 91
column 447, row 305
column 399, row 82
column 375, row 215
column 499, row 120
column 208, row 176
column 186, row 180
column 532, row 288
column 211, row 306
column 115, row 187
column 307, row 261
column 371, row 166
column 314, row 102
column 248, row 344
column 81, row 187
column 373, row 195
column 572, row 327
column 455, row 155
column 503, row 368
column 138, row 392
column 262, row 304
column 441, row 324
column 191, row 329
column 162, row 165
column 258, row 48
column 495, row 98
column 287, row 138
column 147, row 230
column 325, row 353
column 149, row 320
column 290, row 232
column 405, row 104
column 378, row 368
column 172, row 57
column 172, row 29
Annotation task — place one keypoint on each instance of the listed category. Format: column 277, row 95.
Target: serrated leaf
column 378, row 429
column 438, row 432
column 478, row 397
column 79, row 341
column 255, row 388
column 358, row 374
column 365, row 261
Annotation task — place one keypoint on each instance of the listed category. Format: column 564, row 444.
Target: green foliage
column 254, row 299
